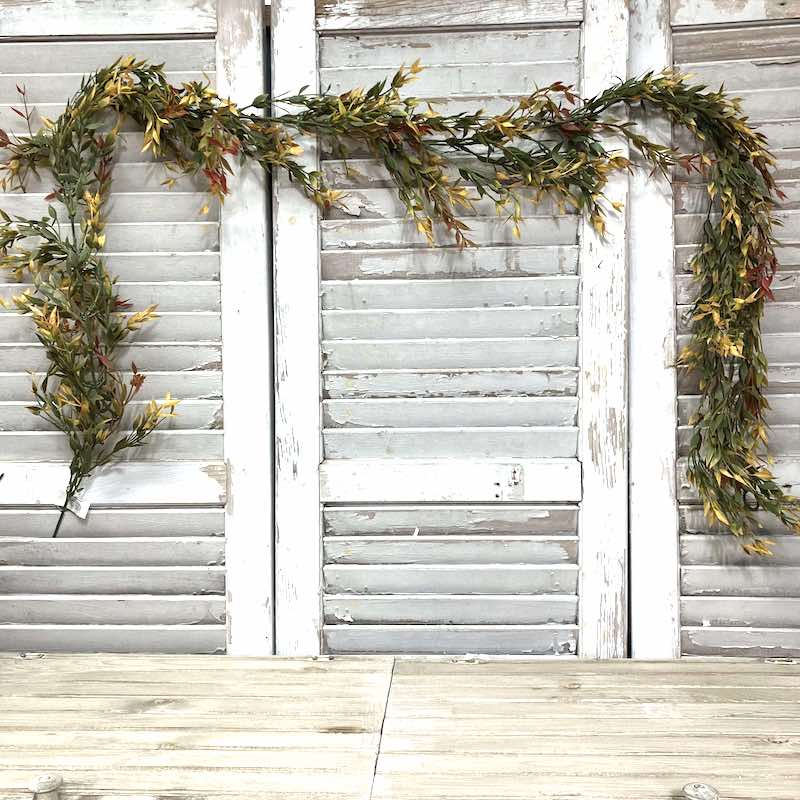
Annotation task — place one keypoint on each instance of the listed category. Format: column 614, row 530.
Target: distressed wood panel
column 190, row 445
column 785, row 468
column 433, row 383
column 112, row 552
column 123, row 522
column 749, row 581
column 59, row 609
column 784, row 408
column 335, row 15
column 457, row 443
column 700, row 12
column 450, row 293
column 449, row 323
column 447, row 550
column 726, row 550
column 449, row 262
column 466, row 481
column 351, row 354
column 444, row 639
column 451, row 578
column 113, row 638
column 432, row 412
column 200, row 385
column 724, row 44
column 449, row 609
column 388, row 49
column 744, row 612
column 741, row 642
column 432, row 520
column 112, row 580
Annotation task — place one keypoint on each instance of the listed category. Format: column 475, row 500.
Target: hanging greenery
column 550, row 144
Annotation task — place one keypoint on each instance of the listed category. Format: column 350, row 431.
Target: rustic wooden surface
column 201, row 727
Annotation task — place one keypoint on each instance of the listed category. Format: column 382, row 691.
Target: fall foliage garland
column 548, row 144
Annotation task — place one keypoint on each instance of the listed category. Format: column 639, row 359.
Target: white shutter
column 146, row 570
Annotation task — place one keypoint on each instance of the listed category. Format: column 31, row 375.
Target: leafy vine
column 551, row 143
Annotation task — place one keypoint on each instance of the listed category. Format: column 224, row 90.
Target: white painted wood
column 754, row 580
column 297, row 358
column 603, row 445
column 358, row 14
column 104, row 17
column 246, row 349
column 741, row 642
column 741, row 612
column 654, row 564
column 735, row 42
column 699, row 12
column 175, row 484
column 477, row 480
column 443, row 639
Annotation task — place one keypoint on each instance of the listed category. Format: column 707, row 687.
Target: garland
column 548, row 144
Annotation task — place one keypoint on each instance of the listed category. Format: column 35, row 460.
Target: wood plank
column 449, row 262
column 411, row 480
column 693, row 521
column 450, row 293
column 192, row 414
column 785, row 287
column 492, row 231
column 247, row 348
column 113, row 639
column 476, row 579
column 515, row 639
column 460, row 353
column 778, row 347
column 749, row 581
column 178, row 445
column 442, row 323
column 59, row 609
column 725, row 550
column 785, row 469
column 445, row 550
column 112, row 552
column 73, row 18
column 740, row 41
column 457, row 443
column 297, row 439
column 450, row 520
column 388, row 49
column 698, row 12
column 123, row 522
column 201, row 385
column 746, row 612
column 449, row 412
column 783, row 408
column 112, row 580
column 755, row 73
column 144, row 484
column 693, row 198
column 54, row 56
column 444, row 383
column 741, row 642
column 335, row 15
column 449, row 609
column 513, row 74
column 783, row 439
column 688, row 227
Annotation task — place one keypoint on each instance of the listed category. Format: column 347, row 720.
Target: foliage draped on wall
column 550, row 144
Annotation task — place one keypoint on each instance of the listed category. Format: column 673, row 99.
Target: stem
column 61, row 516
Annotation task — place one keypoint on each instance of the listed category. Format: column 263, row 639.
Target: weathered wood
column 366, row 354
column 744, row 612
column 699, row 12
column 297, row 357
column 132, row 483
column 603, row 418
column 783, row 408
column 388, row 49
column 749, row 581
column 451, row 578
column 60, row 609
column 433, row 383
column 450, row 520
column 445, row 550
column 785, row 469
column 410, row 480
column 74, row 18
column 450, row 293
column 726, row 550
column 654, row 564
column 456, row 442
column 448, row 609
column 741, row 642
column 246, row 349
column 501, row 639
column 334, row 15
column 723, row 44
column 448, row 412
column 448, row 262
